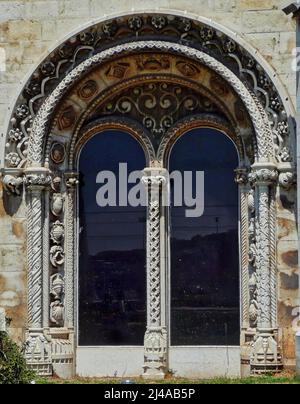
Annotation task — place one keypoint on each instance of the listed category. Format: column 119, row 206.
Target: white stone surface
column 110, row 361
column 205, row 362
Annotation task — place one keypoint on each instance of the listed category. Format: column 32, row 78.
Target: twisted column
column 265, row 353
column 38, row 355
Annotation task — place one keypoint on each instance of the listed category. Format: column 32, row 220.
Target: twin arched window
column 202, row 293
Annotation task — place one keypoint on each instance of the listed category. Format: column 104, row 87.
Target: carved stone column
column 155, row 365
column 265, row 355
column 38, row 354
column 242, row 180
column 70, row 223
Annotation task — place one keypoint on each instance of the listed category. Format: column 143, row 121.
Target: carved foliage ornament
column 67, row 57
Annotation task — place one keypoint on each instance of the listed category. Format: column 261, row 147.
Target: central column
column 156, row 181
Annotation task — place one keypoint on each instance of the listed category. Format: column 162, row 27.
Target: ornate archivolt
column 156, row 91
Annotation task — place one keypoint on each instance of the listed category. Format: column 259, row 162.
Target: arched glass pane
column 112, row 275
column 204, row 250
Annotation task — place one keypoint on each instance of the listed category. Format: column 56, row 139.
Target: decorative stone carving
column 57, row 204
column 58, row 153
column 12, row 159
column 135, row 23
column 152, row 62
column 117, row 70
column 265, row 148
column 253, row 307
column 48, row 68
column 155, row 338
column 37, row 178
column 67, row 118
column 38, row 353
column 183, row 24
column 71, row 180
column 158, row 22
column 287, row 179
column 155, row 353
column 158, row 106
column 88, row 90
column 57, row 232
column 22, row 111
column 57, row 256
column 57, row 285
column 263, row 176
column 14, row 136
column 57, row 313
column 241, row 176
column 12, row 185
column 261, row 308
column 195, row 31
column 55, row 184
column 188, row 69
column 265, row 355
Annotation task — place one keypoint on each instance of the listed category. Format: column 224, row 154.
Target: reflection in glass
column 112, row 276
column 204, row 250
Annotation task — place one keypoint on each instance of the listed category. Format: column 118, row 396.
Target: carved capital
column 38, row 178
column 263, row 175
column 155, row 177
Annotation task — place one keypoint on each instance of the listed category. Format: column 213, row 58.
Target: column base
column 265, row 356
column 38, row 352
column 51, row 352
column 155, row 366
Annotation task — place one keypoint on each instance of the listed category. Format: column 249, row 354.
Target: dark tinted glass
column 204, row 250
column 112, row 276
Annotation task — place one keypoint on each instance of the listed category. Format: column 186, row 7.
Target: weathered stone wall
column 30, row 28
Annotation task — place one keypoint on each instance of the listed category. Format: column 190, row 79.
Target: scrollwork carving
column 158, row 106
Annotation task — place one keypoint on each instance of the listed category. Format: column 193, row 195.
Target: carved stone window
column 155, row 89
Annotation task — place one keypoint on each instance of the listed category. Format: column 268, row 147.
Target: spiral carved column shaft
column 265, row 352
column 38, row 353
